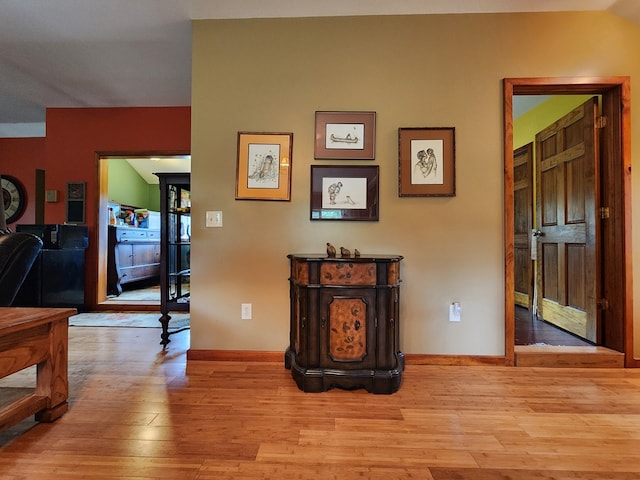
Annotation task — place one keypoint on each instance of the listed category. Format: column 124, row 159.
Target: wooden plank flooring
column 530, row 330
column 139, row 413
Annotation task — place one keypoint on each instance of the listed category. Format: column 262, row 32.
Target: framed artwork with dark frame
column 426, row 158
column 345, row 136
column 263, row 170
column 76, row 198
column 344, row 192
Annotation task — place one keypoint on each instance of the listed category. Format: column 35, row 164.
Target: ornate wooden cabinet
column 345, row 326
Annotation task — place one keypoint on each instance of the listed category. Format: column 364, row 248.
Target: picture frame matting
column 345, row 136
column 263, row 169
column 426, row 162
column 344, row 192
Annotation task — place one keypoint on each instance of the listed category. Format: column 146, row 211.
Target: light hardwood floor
column 139, row 413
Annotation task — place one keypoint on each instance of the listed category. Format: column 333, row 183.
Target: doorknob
column 538, row 233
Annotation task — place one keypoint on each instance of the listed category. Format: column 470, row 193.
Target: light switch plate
column 51, row 196
column 213, row 218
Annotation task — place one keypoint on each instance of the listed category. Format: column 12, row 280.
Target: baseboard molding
column 410, row 359
column 632, row 362
column 455, row 360
column 235, row 355
column 124, row 306
column 572, row 357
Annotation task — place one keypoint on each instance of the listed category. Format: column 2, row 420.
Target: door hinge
column 604, row 212
column 601, row 121
column 603, row 304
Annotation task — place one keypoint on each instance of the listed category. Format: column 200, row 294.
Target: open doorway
column 556, row 156
column 614, row 329
column 129, row 230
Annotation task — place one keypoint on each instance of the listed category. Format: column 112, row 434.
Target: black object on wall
column 76, row 195
column 40, row 195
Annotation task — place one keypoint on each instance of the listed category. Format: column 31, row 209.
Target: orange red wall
column 20, row 157
column 75, row 138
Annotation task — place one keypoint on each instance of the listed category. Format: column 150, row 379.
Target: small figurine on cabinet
column 331, row 250
column 344, row 252
column 356, row 252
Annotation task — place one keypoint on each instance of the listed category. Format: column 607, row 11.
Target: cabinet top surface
column 125, row 228
column 322, row 257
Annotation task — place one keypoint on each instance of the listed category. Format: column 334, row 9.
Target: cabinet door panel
column 145, row 254
column 125, row 255
column 299, row 324
column 347, row 328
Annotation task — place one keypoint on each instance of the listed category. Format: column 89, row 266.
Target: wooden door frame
column 616, row 95
column 102, row 198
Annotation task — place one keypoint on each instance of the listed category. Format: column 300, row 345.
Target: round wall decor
column 14, row 197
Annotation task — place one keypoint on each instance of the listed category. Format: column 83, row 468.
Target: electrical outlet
column 246, row 311
column 454, row 312
column 213, row 219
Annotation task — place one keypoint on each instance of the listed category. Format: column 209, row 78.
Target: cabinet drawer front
column 342, row 273
column 300, row 272
column 153, row 235
column 130, row 235
column 394, row 274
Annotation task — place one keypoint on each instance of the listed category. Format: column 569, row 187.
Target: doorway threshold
column 128, row 306
column 567, row 357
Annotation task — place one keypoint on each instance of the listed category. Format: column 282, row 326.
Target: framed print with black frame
column 426, row 162
column 345, row 136
column 344, row 192
column 263, row 170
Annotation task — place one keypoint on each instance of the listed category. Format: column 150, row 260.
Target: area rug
column 179, row 321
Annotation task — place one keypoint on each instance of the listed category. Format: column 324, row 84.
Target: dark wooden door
column 567, row 251
column 523, row 222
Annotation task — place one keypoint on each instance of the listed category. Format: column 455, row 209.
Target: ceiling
column 146, row 167
column 124, row 53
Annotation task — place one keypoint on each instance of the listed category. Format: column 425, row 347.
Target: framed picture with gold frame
column 426, row 162
column 263, row 170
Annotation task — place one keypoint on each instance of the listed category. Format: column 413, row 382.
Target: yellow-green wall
column 527, row 125
column 127, row 187
column 271, row 75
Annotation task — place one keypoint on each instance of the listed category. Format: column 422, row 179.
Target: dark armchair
column 18, row 251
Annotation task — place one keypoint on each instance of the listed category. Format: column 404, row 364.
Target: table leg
column 52, row 374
